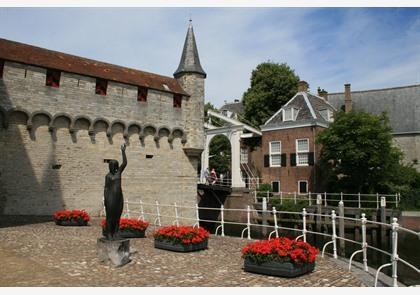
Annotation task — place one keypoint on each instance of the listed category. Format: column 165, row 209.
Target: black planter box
column 278, row 269
column 72, row 222
column 162, row 244
column 128, row 233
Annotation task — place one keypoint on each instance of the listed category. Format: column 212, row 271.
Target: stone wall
column 54, row 143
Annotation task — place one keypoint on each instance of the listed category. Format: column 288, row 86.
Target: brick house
column 288, row 142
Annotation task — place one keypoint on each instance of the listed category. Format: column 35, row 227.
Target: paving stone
column 44, row 254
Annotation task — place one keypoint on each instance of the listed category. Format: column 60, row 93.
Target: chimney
column 347, row 98
column 303, row 86
column 322, row 93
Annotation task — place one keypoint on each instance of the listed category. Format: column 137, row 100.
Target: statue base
column 116, row 251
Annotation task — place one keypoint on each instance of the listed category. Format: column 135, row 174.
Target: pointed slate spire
column 190, row 62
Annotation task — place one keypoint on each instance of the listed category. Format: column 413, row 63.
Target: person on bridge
column 213, row 176
column 206, row 175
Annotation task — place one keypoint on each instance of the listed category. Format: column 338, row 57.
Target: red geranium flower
column 130, row 224
column 64, row 215
column 280, row 249
column 182, row 234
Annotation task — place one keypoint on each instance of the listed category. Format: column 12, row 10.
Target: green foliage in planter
column 288, row 205
column 262, row 191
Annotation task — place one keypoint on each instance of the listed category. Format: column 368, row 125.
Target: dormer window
column 142, row 94
column 53, row 78
column 101, row 86
column 327, row 114
column 290, row 114
column 177, row 101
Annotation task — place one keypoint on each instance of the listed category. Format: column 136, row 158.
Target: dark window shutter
column 266, row 160
column 283, row 160
column 275, row 187
column 311, row 159
column 292, row 159
column 1, row 68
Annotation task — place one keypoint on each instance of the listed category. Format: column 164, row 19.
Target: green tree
column 272, row 85
column 214, row 121
column 220, row 154
column 358, row 154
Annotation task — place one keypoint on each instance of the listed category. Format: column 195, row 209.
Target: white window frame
column 302, row 152
column 244, row 156
column 278, row 181
column 276, row 153
column 307, row 188
column 294, row 112
column 329, row 117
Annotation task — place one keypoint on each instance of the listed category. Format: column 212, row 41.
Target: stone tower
column 190, row 75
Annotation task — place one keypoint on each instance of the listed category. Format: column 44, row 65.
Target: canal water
column 408, row 249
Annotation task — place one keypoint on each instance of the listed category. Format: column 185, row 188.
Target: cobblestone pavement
column 44, row 254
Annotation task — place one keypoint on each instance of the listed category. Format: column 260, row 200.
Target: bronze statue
column 114, row 201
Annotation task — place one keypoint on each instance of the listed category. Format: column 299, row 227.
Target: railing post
column 127, row 210
column 158, row 214
column 295, row 198
column 281, row 198
column 383, row 220
column 255, row 196
column 334, row 235
column 319, row 213
column 358, row 197
column 396, row 200
column 222, row 219
column 276, row 227
column 304, row 224
column 197, row 215
column 264, row 217
column 176, row 214
column 325, row 199
column 364, row 243
column 394, row 257
column 248, row 222
column 309, row 196
column 377, row 200
column 268, row 195
column 141, row 210
column 341, row 231
column 341, row 197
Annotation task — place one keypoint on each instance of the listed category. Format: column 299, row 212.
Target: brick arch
column 147, row 127
column 132, row 123
column 52, row 126
column 77, row 118
column 15, row 110
column 163, row 129
column 93, row 131
column 39, row 113
column 120, row 122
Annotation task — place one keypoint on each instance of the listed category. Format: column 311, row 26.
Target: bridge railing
column 138, row 209
column 358, row 200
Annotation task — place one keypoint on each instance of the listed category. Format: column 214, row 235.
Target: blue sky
column 327, row 47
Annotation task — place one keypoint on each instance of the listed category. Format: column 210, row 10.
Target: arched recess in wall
column 117, row 127
column 38, row 119
column 60, row 121
column 148, row 130
column 18, row 116
column 133, row 128
column 164, row 131
column 100, row 125
column 80, row 123
column 178, row 133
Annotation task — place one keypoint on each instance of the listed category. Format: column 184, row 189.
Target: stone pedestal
column 117, row 251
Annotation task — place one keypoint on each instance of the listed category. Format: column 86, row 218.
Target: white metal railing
column 251, row 182
column 393, row 226
column 350, row 199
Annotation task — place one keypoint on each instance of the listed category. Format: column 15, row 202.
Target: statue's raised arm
column 124, row 162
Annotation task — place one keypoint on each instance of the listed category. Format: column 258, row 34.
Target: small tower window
column 1, row 68
column 53, row 78
column 177, row 100
column 101, row 85
column 142, row 94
